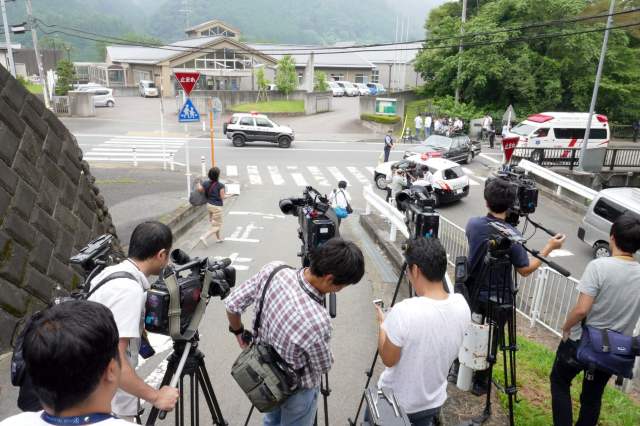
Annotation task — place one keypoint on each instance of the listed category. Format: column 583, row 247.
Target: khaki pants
column 215, row 217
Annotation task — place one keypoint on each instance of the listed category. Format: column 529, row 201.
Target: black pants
column 635, row 134
column 387, row 151
column 565, row 368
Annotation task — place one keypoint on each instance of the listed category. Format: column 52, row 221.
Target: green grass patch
column 381, row 118
column 534, row 362
column 271, row 107
column 117, row 181
column 36, row 89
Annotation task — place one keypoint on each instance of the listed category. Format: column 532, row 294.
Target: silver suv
column 249, row 127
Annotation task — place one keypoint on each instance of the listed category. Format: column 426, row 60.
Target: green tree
column 261, row 80
column 286, row 75
column 66, row 77
column 320, row 84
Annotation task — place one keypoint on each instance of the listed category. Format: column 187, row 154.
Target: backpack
column 197, row 198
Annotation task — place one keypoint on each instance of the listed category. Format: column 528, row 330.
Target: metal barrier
column 628, row 158
column 561, row 182
column 388, row 211
column 60, row 104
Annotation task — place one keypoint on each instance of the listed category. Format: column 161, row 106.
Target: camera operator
column 421, row 336
column 149, row 249
column 609, row 300
column 499, row 196
column 295, row 322
column 71, row 353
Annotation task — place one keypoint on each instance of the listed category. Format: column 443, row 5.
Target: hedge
column 380, row 118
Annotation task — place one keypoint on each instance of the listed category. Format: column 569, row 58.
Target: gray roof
column 333, row 59
column 389, row 54
column 153, row 55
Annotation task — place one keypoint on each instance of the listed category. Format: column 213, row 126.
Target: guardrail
column 60, row 105
column 561, row 182
column 628, row 158
column 387, row 210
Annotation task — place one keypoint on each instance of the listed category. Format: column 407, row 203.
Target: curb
column 389, row 249
column 183, row 218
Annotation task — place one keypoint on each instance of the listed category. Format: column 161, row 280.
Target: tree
column 320, row 83
column 286, row 75
column 261, row 80
column 66, row 77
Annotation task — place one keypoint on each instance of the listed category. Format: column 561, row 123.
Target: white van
column 147, row 88
column 559, row 130
column 605, row 208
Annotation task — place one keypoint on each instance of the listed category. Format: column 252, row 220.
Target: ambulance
column 557, row 130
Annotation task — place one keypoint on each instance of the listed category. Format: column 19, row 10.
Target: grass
column 381, row 118
column 271, row 107
column 116, row 181
column 36, row 89
column 534, row 362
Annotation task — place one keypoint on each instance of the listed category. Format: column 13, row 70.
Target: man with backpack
column 609, row 300
column 340, row 201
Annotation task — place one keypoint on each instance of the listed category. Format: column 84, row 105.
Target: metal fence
column 628, row 158
column 60, row 105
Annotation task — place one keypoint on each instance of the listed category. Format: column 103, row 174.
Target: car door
column 100, row 97
column 264, row 129
column 247, row 127
column 454, row 150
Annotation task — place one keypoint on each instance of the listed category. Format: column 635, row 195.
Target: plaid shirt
column 293, row 321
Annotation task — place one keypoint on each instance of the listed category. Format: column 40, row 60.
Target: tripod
column 188, row 360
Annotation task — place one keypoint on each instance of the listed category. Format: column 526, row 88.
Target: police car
column 448, row 180
column 249, row 127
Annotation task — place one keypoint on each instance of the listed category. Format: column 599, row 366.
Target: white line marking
column 560, row 253
column 254, row 175
column 232, row 170
column 236, row 233
column 138, row 149
column 493, row 160
column 355, row 172
column 127, row 154
column 276, row 177
column 371, row 170
column 126, row 160
column 264, row 215
column 337, row 174
column 292, row 167
column 242, row 240
column 473, row 182
column 299, row 179
column 318, row 176
column 468, row 171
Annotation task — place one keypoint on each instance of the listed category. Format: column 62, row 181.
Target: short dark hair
column 214, row 174
column 342, row 184
column 499, row 195
column 148, row 238
column 340, row 258
column 430, row 257
column 67, row 349
column 626, row 232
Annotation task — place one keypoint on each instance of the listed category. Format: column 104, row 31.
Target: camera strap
column 256, row 323
column 114, row 276
column 306, row 290
column 87, row 419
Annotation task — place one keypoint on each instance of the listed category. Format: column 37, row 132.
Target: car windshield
column 523, row 129
column 151, row 85
column 437, row 141
column 452, row 173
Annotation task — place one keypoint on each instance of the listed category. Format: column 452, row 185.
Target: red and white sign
column 187, row 80
column 508, row 146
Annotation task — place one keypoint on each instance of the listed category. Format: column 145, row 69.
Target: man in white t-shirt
column 418, row 125
column 420, row 337
column 71, row 355
column 427, row 126
column 149, row 249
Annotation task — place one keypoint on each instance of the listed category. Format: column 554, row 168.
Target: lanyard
column 87, row 419
column 630, row 258
column 306, row 290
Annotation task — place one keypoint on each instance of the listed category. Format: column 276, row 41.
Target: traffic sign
column 187, row 80
column 188, row 113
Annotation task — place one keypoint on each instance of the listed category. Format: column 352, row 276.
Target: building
column 25, row 59
column 214, row 49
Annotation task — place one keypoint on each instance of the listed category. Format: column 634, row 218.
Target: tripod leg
column 192, row 399
column 153, row 415
column 325, row 393
column 197, row 399
column 180, row 407
column 209, row 395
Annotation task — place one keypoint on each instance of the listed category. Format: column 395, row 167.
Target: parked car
column 605, row 208
column 349, row 88
column 102, row 96
column 335, row 88
column 148, row 88
column 456, row 148
column 450, row 183
column 364, row 90
column 249, row 127
column 376, row 88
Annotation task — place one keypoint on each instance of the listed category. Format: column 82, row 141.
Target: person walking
column 388, row 144
column 427, row 126
column 340, row 200
column 636, row 129
column 418, row 125
column 215, row 193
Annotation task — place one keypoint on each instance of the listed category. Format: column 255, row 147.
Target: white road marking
column 292, row 167
column 242, row 240
column 493, row 160
column 318, row 176
column 236, row 233
column 235, row 259
column 299, row 179
column 276, row 177
column 355, row 172
column 232, row 188
column 560, row 253
column 232, row 170
column 371, row 170
column 473, row 182
column 338, row 175
column 264, row 215
column 254, row 175
column 130, row 149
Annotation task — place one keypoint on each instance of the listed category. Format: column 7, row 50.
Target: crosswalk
column 316, row 176
column 132, row 149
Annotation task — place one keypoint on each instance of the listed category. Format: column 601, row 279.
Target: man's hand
column 166, row 398
column 379, row 314
column 566, row 334
column 241, row 341
column 555, row 242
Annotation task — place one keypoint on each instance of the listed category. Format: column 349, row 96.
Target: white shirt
column 339, row 198
column 34, row 419
column 418, row 122
column 427, row 121
column 430, row 333
column 126, row 301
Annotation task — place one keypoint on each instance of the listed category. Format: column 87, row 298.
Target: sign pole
column 188, row 114
column 211, row 133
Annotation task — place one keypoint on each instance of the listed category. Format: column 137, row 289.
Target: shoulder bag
column 608, row 351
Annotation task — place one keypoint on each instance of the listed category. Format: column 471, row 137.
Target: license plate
column 459, row 191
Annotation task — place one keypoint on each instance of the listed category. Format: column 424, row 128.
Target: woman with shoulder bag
column 215, row 193
column 340, row 201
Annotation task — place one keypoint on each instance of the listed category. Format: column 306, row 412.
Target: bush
column 380, row 118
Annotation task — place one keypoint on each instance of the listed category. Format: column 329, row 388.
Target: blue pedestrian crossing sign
column 188, row 113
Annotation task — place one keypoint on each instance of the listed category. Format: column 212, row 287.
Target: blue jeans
column 427, row 132
column 298, row 410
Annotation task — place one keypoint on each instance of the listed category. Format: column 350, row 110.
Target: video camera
column 177, row 300
column 526, row 193
column 95, row 256
column 317, row 221
column 418, row 204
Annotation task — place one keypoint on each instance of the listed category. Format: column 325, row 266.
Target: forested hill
column 281, row 21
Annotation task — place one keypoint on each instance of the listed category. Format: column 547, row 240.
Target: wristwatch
column 238, row 331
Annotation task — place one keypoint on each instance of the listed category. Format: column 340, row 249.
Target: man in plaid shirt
column 295, row 323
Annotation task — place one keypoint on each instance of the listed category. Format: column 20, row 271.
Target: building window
column 300, row 77
column 141, row 75
column 226, row 59
column 375, row 76
column 217, row 31
column 361, row 78
column 337, row 77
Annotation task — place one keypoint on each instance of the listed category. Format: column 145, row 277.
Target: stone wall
column 49, row 205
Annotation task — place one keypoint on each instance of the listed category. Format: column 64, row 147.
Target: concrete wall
column 49, row 205
column 368, row 103
column 317, row 102
column 233, row 97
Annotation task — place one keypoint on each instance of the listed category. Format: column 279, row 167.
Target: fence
column 60, row 105
column 628, row 158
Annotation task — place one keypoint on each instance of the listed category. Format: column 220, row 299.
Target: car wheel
column 468, row 158
column 537, row 156
column 110, row 104
column 381, row 181
column 284, row 142
column 238, row 140
column 601, row 249
column 436, row 199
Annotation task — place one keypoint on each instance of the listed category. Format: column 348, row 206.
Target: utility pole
column 596, row 86
column 34, row 37
column 460, row 49
column 12, row 65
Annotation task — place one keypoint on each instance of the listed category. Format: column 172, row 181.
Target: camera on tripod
column 526, row 193
column 418, row 204
column 317, row 221
column 177, row 300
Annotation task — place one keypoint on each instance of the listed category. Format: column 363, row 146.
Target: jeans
column 427, row 132
column 565, row 368
column 430, row 417
column 298, row 410
column 387, row 151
